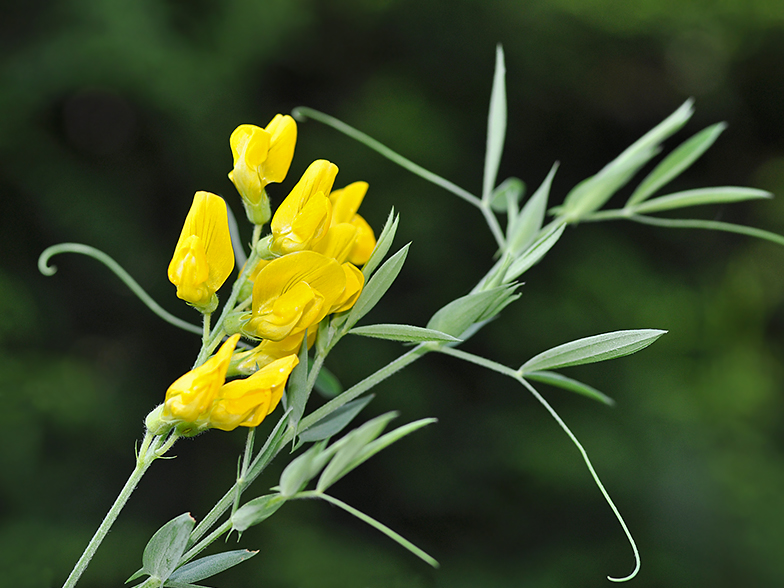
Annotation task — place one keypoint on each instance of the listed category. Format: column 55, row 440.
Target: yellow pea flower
column 292, row 293
column 245, row 403
column 303, row 218
column 355, row 281
column 203, row 257
column 191, row 395
column 248, row 362
column 261, row 157
column 345, row 203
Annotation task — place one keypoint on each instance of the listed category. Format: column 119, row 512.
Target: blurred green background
column 114, row 112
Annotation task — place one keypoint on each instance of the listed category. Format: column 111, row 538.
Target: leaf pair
column 164, row 552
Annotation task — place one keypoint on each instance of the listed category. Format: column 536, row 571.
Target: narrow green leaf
column 508, row 193
column 383, row 244
column 254, row 512
column 301, row 470
column 457, row 316
column 699, row 196
column 406, row 333
column 297, row 389
column 676, row 162
column 592, row 349
column 163, row 551
column 351, row 445
column 536, row 251
column 496, row 126
column 327, row 385
column 560, row 381
column 525, row 228
column 387, row 439
column 209, row 566
column 335, row 421
column 377, row 286
column 593, row 193
column 682, row 223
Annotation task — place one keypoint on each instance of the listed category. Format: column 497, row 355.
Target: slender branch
column 373, row 523
column 125, row 277
column 594, row 475
column 302, row 112
column 152, row 448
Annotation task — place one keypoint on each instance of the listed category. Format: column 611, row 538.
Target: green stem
column 495, row 228
column 360, row 387
column 206, row 542
column 372, row 522
column 594, row 475
column 125, row 277
column 152, row 448
column 302, row 112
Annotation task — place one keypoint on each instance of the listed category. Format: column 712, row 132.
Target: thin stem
column 594, row 475
column 206, row 542
column 151, row 449
column 372, row 522
column 475, row 359
column 302, row 112
column 205, row 334
column 495, row 228
column 361, row 387
column 125, row 277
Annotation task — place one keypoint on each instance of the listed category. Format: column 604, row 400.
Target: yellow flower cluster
column 308, row 270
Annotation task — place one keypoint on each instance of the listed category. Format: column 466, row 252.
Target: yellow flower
column 203, row 257
column 245, row 403
column 248, row 362
column 303, row 218
column 355, row 280
column 261, row 157
column 345, row 203
column 293, row 293
column 191, row 395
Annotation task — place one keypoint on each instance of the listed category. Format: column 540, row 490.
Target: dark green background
column 113, row 112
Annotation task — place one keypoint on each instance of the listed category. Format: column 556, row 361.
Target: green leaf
column 457, row 316
column 327, row 384
column 351, row 446
column 537, row 250
column 383, row 244
column 301, row 470
column 377, row 286
column 207, row 567
column 508, row 194
column 164, row 550
column 523, row 231
column 560, row 381
column 593, row 193
column 676, row 162
column 254, row 512
column 335, row 421
column 297, row 390
column 387, row 439
column 592, row 349
column 496, row 126
column 406, row 333
column 699, row 196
